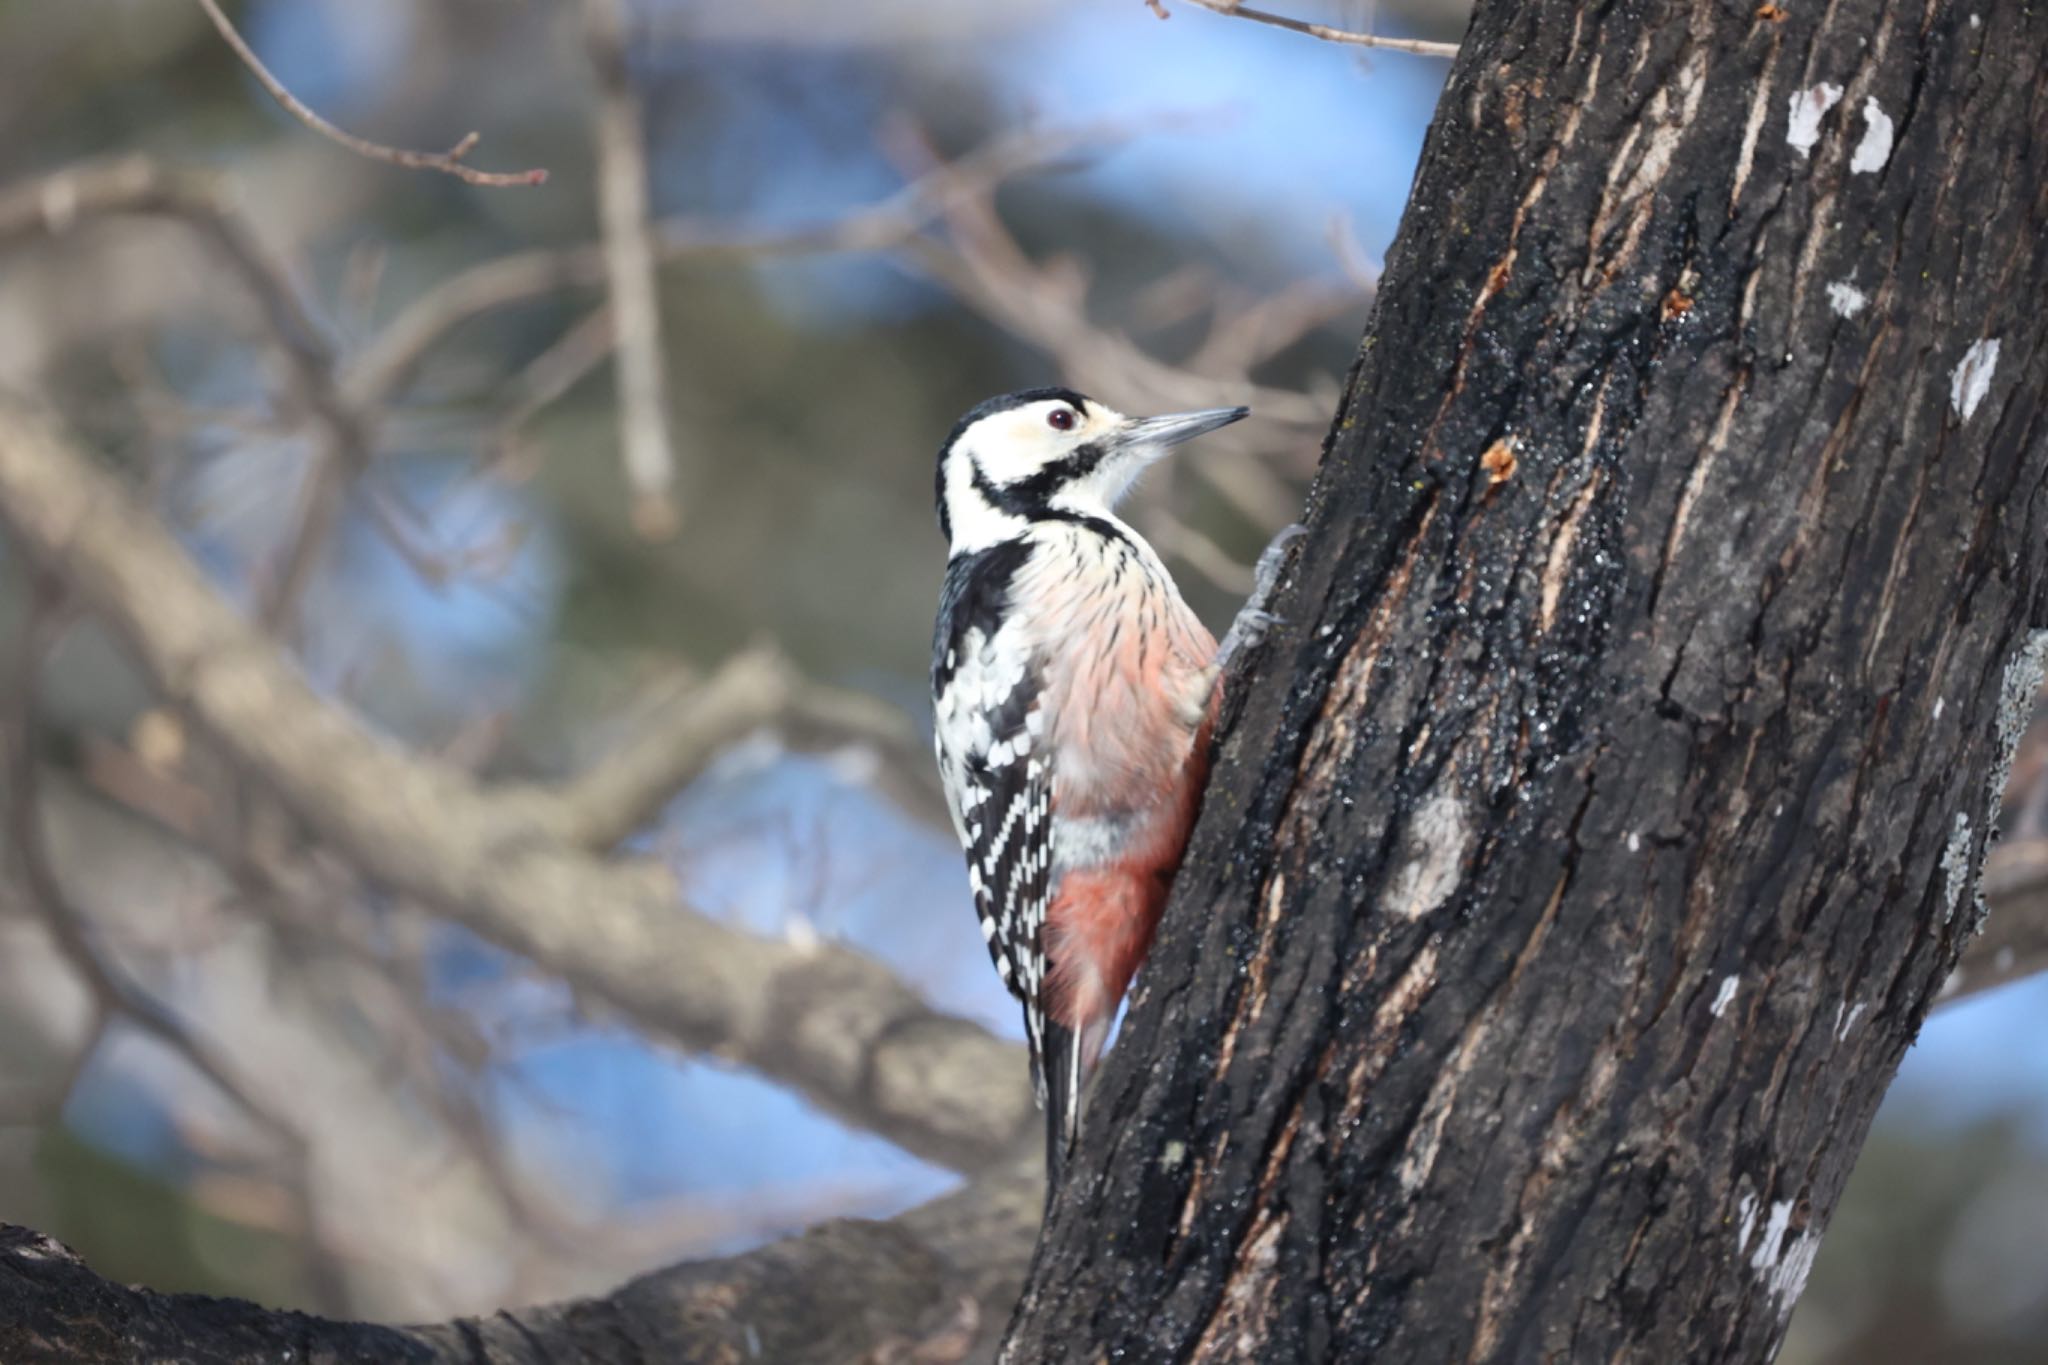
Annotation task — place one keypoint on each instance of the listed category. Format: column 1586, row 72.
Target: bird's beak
column 1155, row 434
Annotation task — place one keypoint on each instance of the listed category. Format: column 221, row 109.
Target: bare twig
column 1418, row 46
column 549, row 375
column 929, row 1285
column 646, row 443
column 54, row 204
column 66, row 927
column 1244, row 337
column 684, row 731
column 1046, row 305
column 827, row 1020
column 1170, row 535
column 449, row 162
column 114, row 993
column 385, row 365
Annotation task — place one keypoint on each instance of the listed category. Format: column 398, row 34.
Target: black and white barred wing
column 988, row 723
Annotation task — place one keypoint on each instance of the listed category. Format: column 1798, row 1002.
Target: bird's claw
column 1253, row 619
column 1266, row 573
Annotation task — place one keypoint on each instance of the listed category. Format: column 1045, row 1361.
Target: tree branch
column 1418, row 46
column 646, row 443
column 929, row 1286
column 383, row 368
column 115, row 994
column 832, row 1022
column 449, row 162
column 54, row 204
column 686, row 729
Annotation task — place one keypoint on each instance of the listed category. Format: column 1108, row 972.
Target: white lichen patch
column 1846, row 299
column 2017, row 688
column 1809, row 107
column 1172, row 1155
column 1635, row 842
column 1788, row 1280
column 1767, row 1250
column 1846, row 1017
column 1438, row 835
column 1746, row 1212
column 1972, row 377
column 1722, row 997
column 1955, row 867
column 1876, row 147
column 1782, row 1266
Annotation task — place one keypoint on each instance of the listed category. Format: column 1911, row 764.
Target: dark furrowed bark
column 1593, row 842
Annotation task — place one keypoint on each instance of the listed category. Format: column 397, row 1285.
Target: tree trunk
column 1608, row 813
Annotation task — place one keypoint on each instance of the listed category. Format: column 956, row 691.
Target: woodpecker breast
column 1122, row 656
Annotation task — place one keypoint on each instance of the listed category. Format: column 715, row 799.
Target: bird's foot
column 1253, row 621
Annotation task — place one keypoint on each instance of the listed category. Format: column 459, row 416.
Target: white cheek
column 1009, row 462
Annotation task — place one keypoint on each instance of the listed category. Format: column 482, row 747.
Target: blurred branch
column 831, row 1022
column 449, row 162
column 54, row 205
column 645, row 440
column 1418, row 46
column 549, row 375
column 386, row 364
column 114, row 995
column 931, row 1286
column 685, row 730
column 1170, row 535
column 1046, row 305
column 1245, row 337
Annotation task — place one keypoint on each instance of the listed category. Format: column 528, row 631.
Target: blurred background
column 868, row 218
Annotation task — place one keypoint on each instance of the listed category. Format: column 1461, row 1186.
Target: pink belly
column 1130, row 707
column 1101, row 917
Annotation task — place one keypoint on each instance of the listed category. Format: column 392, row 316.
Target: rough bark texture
column 1619, row 788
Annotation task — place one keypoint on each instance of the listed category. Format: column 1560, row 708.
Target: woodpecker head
column 1045, row 452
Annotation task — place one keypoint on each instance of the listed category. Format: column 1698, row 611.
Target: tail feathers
column 1064, row 1075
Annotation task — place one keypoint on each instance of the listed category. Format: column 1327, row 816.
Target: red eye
column 1060, row 419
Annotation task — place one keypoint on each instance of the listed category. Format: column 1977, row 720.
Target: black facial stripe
column 1007, row 500
column 1002, row 499
column 1012, row 500
column 1001, row 403
column 1077, row 463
